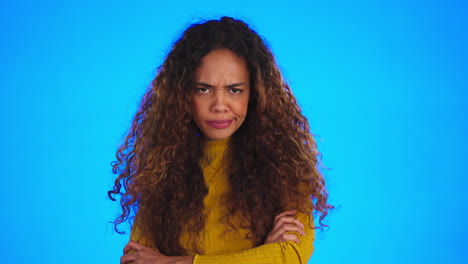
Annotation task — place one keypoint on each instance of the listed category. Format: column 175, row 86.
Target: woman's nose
column 219, row 103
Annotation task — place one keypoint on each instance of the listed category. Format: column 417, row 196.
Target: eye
column 202, row 90
column 235, row 90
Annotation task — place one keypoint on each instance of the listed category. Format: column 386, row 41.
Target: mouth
column 219, row 124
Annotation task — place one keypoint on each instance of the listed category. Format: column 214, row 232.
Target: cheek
column 198, row 110
column 244, row 106
column 195, row 107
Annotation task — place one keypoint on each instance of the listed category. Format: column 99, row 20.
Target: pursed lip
column 224, row 123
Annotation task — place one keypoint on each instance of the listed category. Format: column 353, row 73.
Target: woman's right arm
column 136, row 253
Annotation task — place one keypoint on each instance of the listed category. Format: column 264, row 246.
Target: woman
column 219, row 164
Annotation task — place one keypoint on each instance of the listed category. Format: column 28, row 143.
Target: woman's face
column 221, row 94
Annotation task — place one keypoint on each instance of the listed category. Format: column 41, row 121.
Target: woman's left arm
column 272, row 253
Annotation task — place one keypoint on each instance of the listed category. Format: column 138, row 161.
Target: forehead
column 222, row 64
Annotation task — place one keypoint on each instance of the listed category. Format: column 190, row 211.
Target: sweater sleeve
column 273, row 253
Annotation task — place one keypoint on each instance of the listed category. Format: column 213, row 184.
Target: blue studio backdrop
column 383, row 84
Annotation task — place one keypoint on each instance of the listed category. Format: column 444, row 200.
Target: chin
column 218, row 137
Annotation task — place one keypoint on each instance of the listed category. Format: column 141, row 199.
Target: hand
column 284, row 223
column 139, row 254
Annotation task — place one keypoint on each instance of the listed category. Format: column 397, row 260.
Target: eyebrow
column 234, row 85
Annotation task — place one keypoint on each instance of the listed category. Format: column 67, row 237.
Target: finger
column 287, row 220
column 283, row 238
column 290, row 228
column 297, row 222
column 290, row 220
column 128, row 258
column 286, row 228
column 289, row 212
column 132, row 245
column 289, row 237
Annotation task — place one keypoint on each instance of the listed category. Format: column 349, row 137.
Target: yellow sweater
column 232, row 247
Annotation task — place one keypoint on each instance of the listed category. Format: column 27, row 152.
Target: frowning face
column 220, row 96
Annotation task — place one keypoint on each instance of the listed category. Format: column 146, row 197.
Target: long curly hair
column 274, row 158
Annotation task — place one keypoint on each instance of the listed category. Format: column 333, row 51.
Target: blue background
column 383, row 84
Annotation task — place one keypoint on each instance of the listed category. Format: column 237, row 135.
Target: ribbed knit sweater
column 232, row 246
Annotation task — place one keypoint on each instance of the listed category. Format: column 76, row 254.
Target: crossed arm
column 289, row 241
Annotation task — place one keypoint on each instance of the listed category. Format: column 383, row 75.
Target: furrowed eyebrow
column 204, row 85
column 234, row 85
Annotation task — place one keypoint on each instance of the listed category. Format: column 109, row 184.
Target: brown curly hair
column 274, row 157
